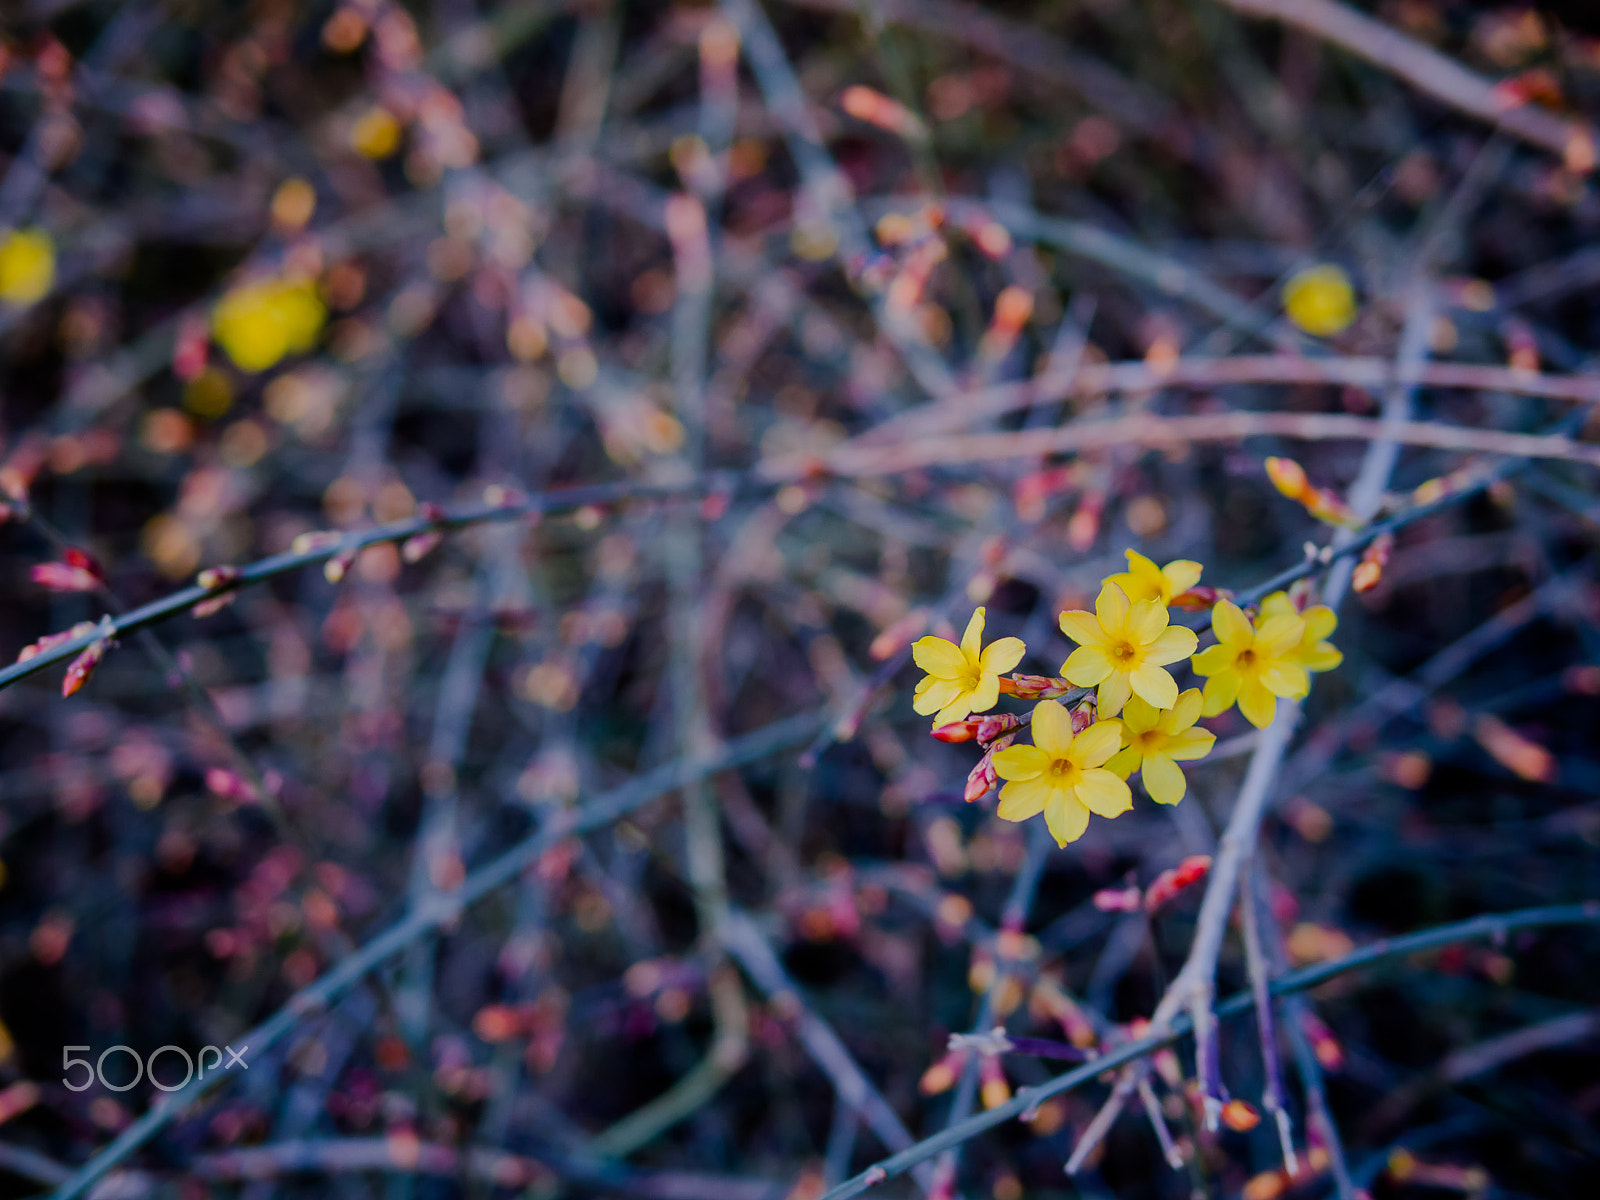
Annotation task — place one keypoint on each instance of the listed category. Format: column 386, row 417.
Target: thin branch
column 442, row 910
column 1495, row 926
column 1427, row 70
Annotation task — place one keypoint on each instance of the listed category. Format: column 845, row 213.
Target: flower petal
column 1286, row 679
column 1087, row 666
column 1320, row 622
column 1019, row 801
column 958, row 709
column 1140, row 716
column 1278, row 605
column 1221, row 691
column 935, row 696
column 1113, row 694
column 1180, row 575
column 1083, row 628
column 1124, row 762
column 1052, row 728
column 1231, row 627
column 1156, row 685
column 1276, row 636
column 1324, row 656
column 1174, row 644
column 1184, row 713
column 1190, row 744
column 1215, row 659
column 1066, row 818
column 1162, row 779
column 1002, row 655
column 986, row 694
column 1146, row 620
column 1020, row 762
column 972, row 639
column 1111, row 606
column 1256, row 703
column 1103, row 794
column 1097, row 743
column 938, row 657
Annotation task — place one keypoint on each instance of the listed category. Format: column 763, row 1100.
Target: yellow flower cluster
column 1137, row 720
column 260, row 323
column 27, row 266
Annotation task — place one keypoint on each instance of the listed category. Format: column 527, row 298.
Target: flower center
column 1063, row 772
column 1247, row 659
column 1124, row 652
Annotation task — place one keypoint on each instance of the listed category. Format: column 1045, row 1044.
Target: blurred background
column 809, row 299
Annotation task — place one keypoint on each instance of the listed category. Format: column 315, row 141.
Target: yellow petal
column 972, row 639
column 1022, row 800
column 1229, row 622
column 1320, row 622
column 1221, row 690
column 1097, row 743
column 1004, row 654
column 1175, row 644
column 1113, row 694
column 1184, row 713
column 1103, row 794
column 1180, row 575
column 1139, row 715
column 958, row 709
column 986, row 694
column 1066, row 818
column 1276, row 636
column 1083, row 628
column 938, row 693
column 1162, row 779
column 1215, row 659
column 1087, row 666
column 1111, row 607
column 1324, row 656
column 1156, row 685
column 1146, row 620
column 1286, row 679
column 1052, row 728
column 1190, row 743
column 938, row 657
column 1278, row 605
column 1124, row 762
column 1256, row 703
column 1020, row 762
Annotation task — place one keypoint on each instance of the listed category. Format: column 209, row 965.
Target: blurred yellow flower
column 1143, row 580
column 1156, row 740
column 1062, row 776
column 1320, row 300
column 1313, row 652
column 1124, row 649
column 259, row 323
column 376, row 134
column 962, row 679
column 27, row 265
column 1251, row 664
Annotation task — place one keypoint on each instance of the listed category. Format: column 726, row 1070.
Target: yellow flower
column 1252, row 664
column 1123, row 648
column 962, row 679
column 259, row 323
column 376, row 134
column 27, row 265
column 1143, row 580
column 1313, row 652
column 1155, row 738
column 1320, row 300
column 1062, row 776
